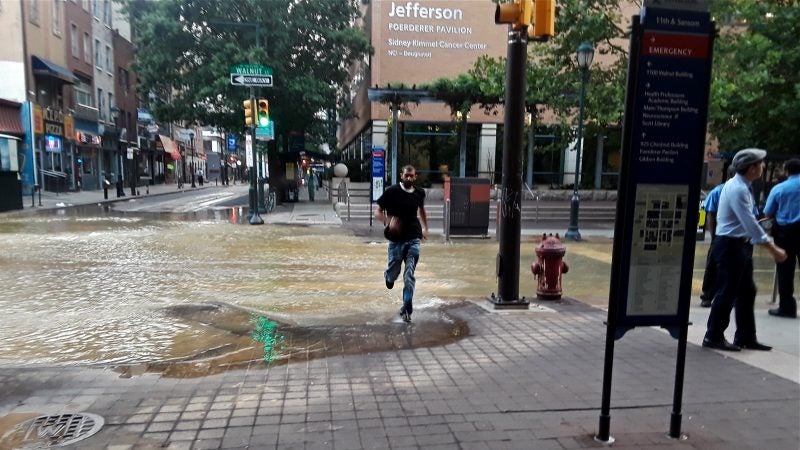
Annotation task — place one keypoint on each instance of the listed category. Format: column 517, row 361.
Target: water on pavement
column 92, row 285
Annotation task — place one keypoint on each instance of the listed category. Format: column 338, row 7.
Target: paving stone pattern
column 521, row 380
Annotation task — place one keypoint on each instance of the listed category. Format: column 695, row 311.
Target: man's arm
column 423, row 216
column 381, row 215
column 711, row 223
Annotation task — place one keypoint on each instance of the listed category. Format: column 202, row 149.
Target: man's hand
column 778, row 254
column 424, row 233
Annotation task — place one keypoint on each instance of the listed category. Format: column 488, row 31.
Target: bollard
column 39, row 188
column 33, row 197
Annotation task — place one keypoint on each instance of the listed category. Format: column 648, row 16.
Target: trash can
column 469, row 206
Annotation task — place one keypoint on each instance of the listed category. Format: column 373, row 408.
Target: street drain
column 56, row 430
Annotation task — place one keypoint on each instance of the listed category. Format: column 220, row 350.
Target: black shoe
column 720, row 345
column 754, row 345
column 705, row 303
column 404, row 315
column 778, row 313
column 389, row 284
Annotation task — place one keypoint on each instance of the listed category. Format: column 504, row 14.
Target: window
column 101, row 111
column 95, row 9
column 87, row 48
column 33, row 11
column 85, row 4
column 108, row 59
column 73, row 40
column 107, row 12
column 56, row 17
column 97, row 50
column 124, row 81
column 83, row 94
column 111, row 106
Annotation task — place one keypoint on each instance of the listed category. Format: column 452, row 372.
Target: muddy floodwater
column 102, row 288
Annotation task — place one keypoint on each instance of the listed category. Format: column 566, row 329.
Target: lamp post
column 585, row 54
column 191, row 167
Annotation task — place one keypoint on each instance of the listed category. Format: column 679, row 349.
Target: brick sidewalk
column 527, row 380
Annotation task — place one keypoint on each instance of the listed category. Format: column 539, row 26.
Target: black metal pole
column 575, row 201
column 510, row 212
column 120, row 188
column 193, row 167
column 677, row 398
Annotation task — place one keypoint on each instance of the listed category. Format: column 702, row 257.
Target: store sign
column 53, row 122
column 52, row 143
column 88, row 139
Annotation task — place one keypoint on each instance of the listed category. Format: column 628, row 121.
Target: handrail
column 535, row 198
column 53, row 173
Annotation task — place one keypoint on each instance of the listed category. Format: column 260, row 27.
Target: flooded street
column 95, row 288
column 91, row 285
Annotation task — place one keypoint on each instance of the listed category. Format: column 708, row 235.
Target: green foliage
column 755, row 93
column 553, row 79
column 185, row 49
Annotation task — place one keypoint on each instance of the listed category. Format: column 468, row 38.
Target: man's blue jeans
column 407, row 252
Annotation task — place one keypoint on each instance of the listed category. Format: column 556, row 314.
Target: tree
column 187, row 47
column 755, row 93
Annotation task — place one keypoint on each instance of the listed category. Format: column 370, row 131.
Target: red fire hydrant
column 549, row 267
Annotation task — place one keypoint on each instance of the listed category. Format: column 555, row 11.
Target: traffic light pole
column 510, row 202
column 255, row 218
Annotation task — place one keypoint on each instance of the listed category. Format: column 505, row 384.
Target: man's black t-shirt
column 404, row 205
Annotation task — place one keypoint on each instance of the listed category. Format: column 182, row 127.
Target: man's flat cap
column 747, row 157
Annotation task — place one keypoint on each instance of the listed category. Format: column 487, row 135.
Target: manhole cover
column 55, row 430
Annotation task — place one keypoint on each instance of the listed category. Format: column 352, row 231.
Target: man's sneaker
column 705, row 303
column 389, row 284
column 404, row 315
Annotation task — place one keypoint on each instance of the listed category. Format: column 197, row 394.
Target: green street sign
column 251, row 75
column 266, row 133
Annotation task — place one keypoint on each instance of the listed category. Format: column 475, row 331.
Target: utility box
column 469, row 206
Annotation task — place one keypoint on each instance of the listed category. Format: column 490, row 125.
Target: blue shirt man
column 783, row 204
column 732, row 251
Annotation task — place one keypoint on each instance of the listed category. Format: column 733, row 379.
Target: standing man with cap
column 736, row 232
column 710, row 275
column 783, row 204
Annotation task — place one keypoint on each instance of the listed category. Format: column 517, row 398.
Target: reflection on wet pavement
column 255, row 341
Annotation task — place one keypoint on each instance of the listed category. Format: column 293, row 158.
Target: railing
column 56, row 180
column 535, row 197
column 344, row 197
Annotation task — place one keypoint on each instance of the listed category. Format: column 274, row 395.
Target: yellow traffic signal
column 263, row 112
column 544, row 20
column 248, row 113
column 518, row 14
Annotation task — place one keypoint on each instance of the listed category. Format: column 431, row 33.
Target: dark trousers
column 734, row 259
column 709, row 277
column 787, row 237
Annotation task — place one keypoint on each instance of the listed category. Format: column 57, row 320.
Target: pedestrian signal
column 544, row 20
column 518, row 13
column 263, row 112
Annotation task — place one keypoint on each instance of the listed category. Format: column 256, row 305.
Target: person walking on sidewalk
column 710, row 275
column 402, row 209
column 732, row 250
column 783, row 205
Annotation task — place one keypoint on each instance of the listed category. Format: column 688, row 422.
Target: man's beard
column 407, row 184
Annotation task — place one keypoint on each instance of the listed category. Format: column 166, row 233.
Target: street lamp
column 191, row 166
column 585, row 54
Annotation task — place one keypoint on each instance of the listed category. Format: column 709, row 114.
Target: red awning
column 170, row 147
column 9, row 120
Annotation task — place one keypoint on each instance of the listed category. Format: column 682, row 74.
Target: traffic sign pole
column 255, row 219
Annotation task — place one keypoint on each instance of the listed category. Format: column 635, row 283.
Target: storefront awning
column 42, row 66
column 170, row 147
column 9, row 120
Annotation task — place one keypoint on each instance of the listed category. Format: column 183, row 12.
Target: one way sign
column 251, row 80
